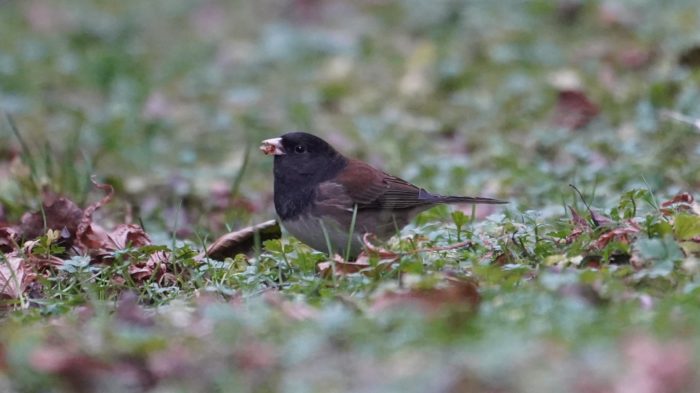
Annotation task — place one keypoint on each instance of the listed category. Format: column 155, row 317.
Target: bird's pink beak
column 272, row 146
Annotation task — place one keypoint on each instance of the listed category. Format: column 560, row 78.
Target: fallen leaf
column 101, row 243
column 242, row 241
column 620, row 234
column 599, row 219
column 8, row 239
column 573, row 110
column 578, row 220
column 155, row 267
column 58, row 214
column 359, row 265
column 450, row 291
column 342, row 267
column 129, row 235
column 683, row 197
column 89, row 235
column 581, row 226
column 13, row 277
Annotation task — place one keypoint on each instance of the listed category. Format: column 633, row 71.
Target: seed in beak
column 272, row 146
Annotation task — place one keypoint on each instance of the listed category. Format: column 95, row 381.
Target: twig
column 681, row 118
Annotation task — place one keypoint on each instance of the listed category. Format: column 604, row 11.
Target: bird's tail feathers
column 466, row 199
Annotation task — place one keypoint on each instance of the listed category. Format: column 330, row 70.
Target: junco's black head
column 302, row 162
column 302, row 158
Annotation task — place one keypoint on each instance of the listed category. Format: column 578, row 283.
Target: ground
column 128, row 144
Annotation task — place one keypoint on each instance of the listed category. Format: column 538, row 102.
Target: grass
column 590, row 288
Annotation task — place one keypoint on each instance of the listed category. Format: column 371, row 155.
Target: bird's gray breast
column 317, row 233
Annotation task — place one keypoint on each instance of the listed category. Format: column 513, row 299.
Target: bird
column 329, row 201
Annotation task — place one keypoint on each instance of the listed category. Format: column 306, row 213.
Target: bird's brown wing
column 371, row 188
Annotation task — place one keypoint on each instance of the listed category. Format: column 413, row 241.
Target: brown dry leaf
column 681, row 203
column 578, row 220
column 621, row 234
column 684, row 198
column 89, row 235
column 129, row 235
column 242, row 241
column 359, row 265
column 599, row 219
column 451, row 291
column 368, row 243
column 384, row 254
column 60, row 213
column 99, row 242
column 573, row 110
column 580, row 226
column 93, row 238
column 8, row 239
column 156, row 266
column 13, row 276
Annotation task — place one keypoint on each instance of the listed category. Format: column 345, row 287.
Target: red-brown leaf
column 13, row 276
column 452, row 291
column 683, row 197
column 8, row 239
column 58, row 214
column 573, row 110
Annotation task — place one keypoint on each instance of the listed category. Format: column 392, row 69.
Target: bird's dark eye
column 299, row 149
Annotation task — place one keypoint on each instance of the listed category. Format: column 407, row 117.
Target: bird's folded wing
column 370, row 188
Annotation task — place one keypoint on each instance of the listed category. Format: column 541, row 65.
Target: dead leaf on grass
column 573, row 110
column 60, row 214
column 621, row 234
column 14, row 278
column 156, row 267
column 450, row 291
column 242, row 241
column 8, row 239
column 680, row 203
column 89, row 235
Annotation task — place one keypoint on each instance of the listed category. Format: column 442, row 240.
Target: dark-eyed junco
column 317, row 189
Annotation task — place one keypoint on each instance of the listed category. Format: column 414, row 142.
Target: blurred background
column 167, row 100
